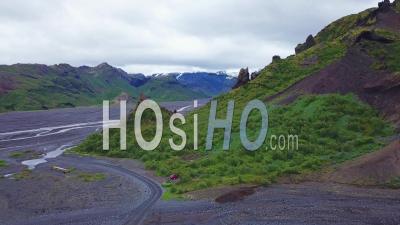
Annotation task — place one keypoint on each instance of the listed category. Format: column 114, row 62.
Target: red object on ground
column 173, row 177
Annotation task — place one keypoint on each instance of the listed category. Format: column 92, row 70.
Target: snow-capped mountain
column 209, row 84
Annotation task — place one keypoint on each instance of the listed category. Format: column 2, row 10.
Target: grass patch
column 170, row 192
column 387, row 55
column 341, row 27
column 24, row 154
column 169, row 195
column 91, row 177
column 17, row 155
column 394, row 183
column 3, row 163
column 24, row 174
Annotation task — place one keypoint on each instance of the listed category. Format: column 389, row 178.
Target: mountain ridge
column 39, row 86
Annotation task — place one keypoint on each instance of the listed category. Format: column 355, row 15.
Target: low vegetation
column 91, row 177
column 3, row 163
column 331, row 129
column 387, row 55
column 24, row 174
column 340, row 28
column 17, row 155
column 394, row 183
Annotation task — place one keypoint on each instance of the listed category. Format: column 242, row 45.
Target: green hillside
column 332, row 127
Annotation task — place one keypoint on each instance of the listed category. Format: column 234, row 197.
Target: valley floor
column 294, row 204
column 110, row 191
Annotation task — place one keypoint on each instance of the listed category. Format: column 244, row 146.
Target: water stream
column 32, row 163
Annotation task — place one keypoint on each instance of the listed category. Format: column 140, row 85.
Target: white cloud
column 162, row 36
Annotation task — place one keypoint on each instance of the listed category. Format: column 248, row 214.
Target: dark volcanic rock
column 236, row 195
column 243, row 78
column 372, row 36
column 276, row 58
column 255, row 74
column 310, row 42
column 385, row 5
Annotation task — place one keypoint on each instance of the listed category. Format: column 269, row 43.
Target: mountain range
column 37, row 86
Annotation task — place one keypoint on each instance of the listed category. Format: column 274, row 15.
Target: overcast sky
column 162, row 36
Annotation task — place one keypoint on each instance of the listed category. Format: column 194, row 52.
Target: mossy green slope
column 331, row 128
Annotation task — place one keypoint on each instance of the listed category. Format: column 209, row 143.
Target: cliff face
column 243, row 78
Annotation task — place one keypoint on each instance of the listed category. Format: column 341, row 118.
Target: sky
column 165, row 35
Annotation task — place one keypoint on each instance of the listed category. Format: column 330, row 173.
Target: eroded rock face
column 385, row 5
column 255, row 74
column 310, row 61
column 276, row 58
column 243, row 77
column 310, row 42
column 372, row 36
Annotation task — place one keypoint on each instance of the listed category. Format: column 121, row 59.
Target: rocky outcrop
column 123, row 97
column 255, row 74
column 310, row 61
column 276, row 58
column 243, row 78
column 385, row 5
column 310, row 42
column 372, row 36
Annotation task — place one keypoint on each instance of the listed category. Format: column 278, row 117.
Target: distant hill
column 37, row 86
